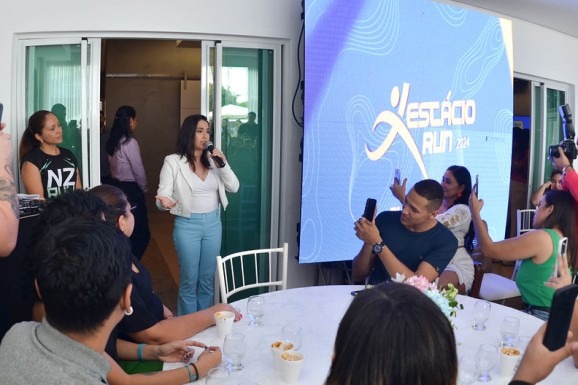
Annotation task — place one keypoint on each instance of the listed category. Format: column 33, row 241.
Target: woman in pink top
column 128, row 173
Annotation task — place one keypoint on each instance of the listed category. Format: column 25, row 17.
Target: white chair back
column 252, row 269
column 524, row 219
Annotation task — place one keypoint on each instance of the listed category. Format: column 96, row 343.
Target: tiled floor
column 161, row 260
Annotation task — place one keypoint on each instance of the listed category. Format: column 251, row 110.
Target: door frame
column 90, row 94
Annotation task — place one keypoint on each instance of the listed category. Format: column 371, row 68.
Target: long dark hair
column 120, row 129
column 114, row 199
column 562, row 217
column 186, row 141
column 36, row 123
column 464, row 178
column 394, row 334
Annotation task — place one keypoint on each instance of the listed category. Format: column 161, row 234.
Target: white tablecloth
column 319, row 309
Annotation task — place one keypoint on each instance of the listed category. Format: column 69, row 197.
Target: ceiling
column 559, row 15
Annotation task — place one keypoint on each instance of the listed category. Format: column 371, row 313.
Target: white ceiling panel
column 559, row 15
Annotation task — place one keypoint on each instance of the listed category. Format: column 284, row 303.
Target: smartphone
column 369, row 211
column 562, row 248
column 1, row 110
column 475, row 188
column 560, row 317
column 397, row 175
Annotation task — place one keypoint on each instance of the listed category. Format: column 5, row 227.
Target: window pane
column 53, row 74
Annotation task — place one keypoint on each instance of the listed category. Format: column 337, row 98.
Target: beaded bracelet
column 139, row 352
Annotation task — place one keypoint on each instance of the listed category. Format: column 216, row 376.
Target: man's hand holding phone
column 365, row 228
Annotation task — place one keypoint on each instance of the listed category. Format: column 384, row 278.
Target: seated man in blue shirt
column 409, row 242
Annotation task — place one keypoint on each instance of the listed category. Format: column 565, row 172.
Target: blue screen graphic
column 411, row 84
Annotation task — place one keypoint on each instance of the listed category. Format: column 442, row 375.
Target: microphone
column 210, row 147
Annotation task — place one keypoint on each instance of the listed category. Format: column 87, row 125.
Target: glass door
column 63, row 76
column 245, row 116
column 547, row 129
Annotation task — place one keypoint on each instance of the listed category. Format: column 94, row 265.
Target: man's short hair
column 58, row 209
column 84, row 267
column 431, row 190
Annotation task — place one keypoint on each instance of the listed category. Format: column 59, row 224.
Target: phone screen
column 369, row 211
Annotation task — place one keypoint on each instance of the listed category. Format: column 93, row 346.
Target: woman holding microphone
column 193, row 184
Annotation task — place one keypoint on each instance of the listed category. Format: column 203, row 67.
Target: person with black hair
column 554, row 183
column 394, row 334
column 47, row 169
column 409, row 242
column 538, row 249
column 454, row 213
column 419, row 340
column 193, row 187
column 85, row 204
column 152, row 322
column 569, row 182
column 83, row 278
column 128, row 173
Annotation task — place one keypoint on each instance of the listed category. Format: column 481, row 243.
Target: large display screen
column 409, row 84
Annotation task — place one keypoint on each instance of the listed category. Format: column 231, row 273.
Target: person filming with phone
column 409, row 242
column 538, row 249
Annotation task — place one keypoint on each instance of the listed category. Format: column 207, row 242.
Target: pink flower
column 420, row 282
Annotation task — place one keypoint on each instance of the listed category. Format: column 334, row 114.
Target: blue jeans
column 197, row 242
column 539, row 313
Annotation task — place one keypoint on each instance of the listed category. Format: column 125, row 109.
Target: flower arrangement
column 445, row 298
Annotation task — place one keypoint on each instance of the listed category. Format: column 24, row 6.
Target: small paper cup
column 291, row 362
column 224, row 322
column 509, row 358
column 276, row 349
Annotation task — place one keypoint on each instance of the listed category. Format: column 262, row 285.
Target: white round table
column 319, row 309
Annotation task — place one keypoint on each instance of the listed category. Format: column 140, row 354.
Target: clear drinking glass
column 509, row 330
column 481, row 314
column 256, row 310
column 486, row 359
column 467, row 368
column 523, row 342
column 235, row 348
column 292, row 334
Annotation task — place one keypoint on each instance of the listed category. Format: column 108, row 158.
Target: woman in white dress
column 454, row 213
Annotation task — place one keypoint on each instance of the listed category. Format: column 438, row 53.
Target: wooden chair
column 478, row 277
column 244, row 270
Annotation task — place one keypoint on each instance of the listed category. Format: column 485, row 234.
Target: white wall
column 537, row 51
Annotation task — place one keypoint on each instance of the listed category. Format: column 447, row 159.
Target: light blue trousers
column 197, row 242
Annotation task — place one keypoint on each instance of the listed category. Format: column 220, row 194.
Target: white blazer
column 176, row 183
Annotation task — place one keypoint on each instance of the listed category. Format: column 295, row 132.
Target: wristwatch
column 378, row 247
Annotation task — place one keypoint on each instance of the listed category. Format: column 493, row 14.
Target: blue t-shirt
column 435, row 246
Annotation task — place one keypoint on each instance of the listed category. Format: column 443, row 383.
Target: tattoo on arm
column 8, row 190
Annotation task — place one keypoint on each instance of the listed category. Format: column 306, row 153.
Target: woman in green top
column 554, row 219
